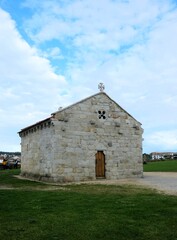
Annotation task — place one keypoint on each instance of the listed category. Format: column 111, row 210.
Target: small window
column 101, row 114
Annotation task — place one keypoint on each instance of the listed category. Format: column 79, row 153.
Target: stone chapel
column 92, row 139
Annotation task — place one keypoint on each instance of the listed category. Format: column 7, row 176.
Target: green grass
column 84, row 212
column 161, row 166
column 8, row 179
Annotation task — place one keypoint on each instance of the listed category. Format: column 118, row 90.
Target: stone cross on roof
column 101, row 87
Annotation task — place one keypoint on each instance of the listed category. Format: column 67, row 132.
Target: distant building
column 91, row 139
column 163, row 155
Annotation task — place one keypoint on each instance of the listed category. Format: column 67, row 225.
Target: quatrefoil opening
column 101, row 114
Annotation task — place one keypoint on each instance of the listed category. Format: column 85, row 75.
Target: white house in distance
column 91, row 139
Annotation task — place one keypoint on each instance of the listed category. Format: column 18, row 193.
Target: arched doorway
column 100, row 164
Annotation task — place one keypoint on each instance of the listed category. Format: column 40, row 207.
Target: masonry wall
column 37, row 152
column 66, row 150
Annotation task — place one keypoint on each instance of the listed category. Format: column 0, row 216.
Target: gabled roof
column 49, row 119
column 85, row 99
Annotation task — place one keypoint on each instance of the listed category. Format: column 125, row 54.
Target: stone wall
column 66, row 150
column 37, row 153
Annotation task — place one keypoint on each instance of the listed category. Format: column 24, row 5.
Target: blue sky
column 56, row 52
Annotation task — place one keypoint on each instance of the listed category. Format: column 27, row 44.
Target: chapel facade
column 91, row 139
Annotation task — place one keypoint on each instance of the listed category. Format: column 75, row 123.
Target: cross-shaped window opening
column 102, row 114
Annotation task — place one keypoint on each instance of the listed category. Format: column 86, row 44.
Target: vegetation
column 161, row 166
column 31, row 210
column 146, row 157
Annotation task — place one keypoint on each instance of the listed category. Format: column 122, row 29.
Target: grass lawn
column 161, row 166
column 31, row 210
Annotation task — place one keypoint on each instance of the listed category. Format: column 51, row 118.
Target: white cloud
column 22, row 70
column 93, row 22
column 28, row 85
column 166, row 140
column 128, row 45
column 54, row 52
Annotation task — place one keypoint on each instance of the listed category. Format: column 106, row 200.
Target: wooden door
column 100, row 164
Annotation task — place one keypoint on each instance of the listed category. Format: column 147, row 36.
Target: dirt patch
column 6, row 187
column 165, row 182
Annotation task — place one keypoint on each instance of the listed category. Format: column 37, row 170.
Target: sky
column 54, row 53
